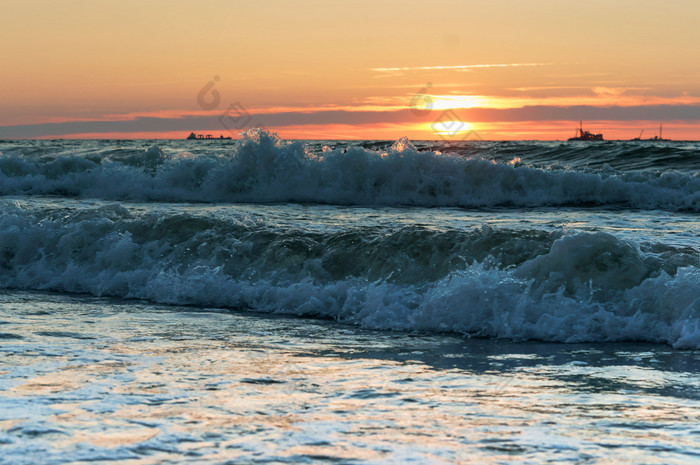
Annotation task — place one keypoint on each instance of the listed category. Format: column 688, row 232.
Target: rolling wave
column 520, row 284
column 261, row 168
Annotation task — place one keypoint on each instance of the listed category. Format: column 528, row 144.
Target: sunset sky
column 498, row 69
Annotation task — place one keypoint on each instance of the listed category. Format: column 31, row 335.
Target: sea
column 261, row 301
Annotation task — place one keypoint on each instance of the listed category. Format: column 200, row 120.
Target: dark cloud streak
column 211, row 124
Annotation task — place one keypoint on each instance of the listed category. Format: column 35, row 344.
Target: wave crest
column 553, row 286
column 262, row 168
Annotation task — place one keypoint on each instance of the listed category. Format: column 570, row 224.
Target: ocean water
column 271, row 301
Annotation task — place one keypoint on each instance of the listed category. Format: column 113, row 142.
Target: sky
column 355, row 69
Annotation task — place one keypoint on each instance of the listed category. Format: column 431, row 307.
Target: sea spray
column 522, row 284
column 263, row 168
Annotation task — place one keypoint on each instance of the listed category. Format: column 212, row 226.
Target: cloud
column 457, row 67
column 213, row 124
column 609, row 91
column 586, row 112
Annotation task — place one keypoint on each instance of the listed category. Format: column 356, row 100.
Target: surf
column 521, row 284
column 262, row 168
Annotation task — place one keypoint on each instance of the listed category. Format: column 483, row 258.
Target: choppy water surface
column 264, row 301
column 262, row 168
column 569, row 275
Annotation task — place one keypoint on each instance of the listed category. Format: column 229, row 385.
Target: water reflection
column 98, row 379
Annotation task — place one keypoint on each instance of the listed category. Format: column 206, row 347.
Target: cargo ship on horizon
column 584, row 135
column 194, row 136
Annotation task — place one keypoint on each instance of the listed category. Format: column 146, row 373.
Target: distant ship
column 585, row 135
column 194, row 136
column 658, row 138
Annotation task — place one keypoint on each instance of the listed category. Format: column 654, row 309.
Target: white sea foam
column 574, row 286
column 262, row 168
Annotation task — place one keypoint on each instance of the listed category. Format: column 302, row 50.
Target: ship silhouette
column 659, row 138
column 194, row 136
column 581, row 134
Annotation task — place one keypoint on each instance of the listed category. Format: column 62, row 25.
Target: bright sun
column 450, row 127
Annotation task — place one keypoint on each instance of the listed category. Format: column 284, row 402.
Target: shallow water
column 94, row 379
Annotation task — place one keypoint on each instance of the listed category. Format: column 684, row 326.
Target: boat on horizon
column 658, row 138
column 582, row 134
column 194, row 136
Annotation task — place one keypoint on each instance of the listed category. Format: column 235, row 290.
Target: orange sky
column 454, row 69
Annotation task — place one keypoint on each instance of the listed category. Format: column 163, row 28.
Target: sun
column 450, row 127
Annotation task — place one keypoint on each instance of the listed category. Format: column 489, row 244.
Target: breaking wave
column 519, row 284
column 262, row 168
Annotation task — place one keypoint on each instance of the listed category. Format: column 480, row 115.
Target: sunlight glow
column 446, row 102
column 451, row 127
column 457, row 67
